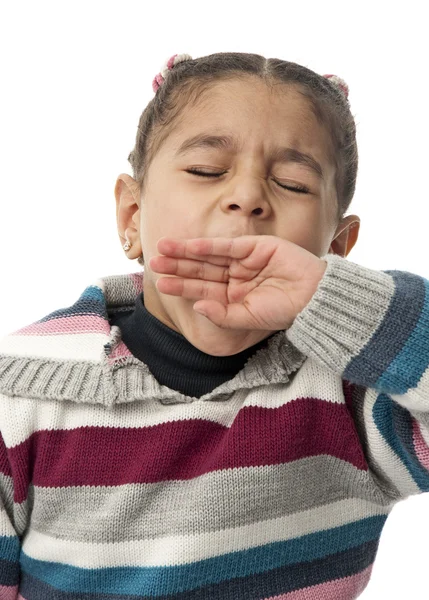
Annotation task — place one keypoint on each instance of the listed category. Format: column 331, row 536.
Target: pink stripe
column 21, row 597
column 73, row 324
column 9, row 593
column 420, row 446
column 339, row 588
column 258, row 436
column 137, row 279
column 119, row 351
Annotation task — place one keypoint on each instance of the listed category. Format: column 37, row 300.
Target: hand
column 247, row 282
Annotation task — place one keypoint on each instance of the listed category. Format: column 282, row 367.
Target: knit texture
column 171, row 358
column 274, row 485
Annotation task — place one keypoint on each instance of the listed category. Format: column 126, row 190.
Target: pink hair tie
column 157, row 82
column 338, row 82
column 168, row 66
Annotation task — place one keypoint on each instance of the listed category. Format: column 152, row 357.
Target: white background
column 75, row 77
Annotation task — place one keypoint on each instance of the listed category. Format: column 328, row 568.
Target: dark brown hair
column 190, row 79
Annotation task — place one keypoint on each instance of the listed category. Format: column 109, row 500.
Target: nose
column 247, row 194
column 257, row 211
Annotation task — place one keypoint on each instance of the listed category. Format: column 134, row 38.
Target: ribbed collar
column 76, row 354
column 171, row 358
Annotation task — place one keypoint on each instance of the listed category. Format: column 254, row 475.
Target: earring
column 126, row 246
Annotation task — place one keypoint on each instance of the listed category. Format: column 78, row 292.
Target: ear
column 127, row 195
column 346, row 236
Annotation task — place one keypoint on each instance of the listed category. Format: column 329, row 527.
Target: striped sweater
column 274, row 485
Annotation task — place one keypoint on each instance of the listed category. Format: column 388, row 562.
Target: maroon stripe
column 4, row 461
column 185, row 449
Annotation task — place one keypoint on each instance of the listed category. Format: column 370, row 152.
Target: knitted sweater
column 275, row 484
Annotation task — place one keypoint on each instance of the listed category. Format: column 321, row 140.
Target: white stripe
column 81, row 347
column 22, row 416
column 416, row 398
column 310, row 381
column 176, row 550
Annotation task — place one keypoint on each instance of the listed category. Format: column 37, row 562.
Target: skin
column 246, row 200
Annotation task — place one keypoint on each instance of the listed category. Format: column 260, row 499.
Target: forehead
column 255, row 114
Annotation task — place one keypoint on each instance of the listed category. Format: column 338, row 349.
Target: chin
column 223, row 342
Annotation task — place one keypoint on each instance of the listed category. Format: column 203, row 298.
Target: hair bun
column 168, row 66
column 339, row 83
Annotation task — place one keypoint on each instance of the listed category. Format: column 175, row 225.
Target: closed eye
column 298, row 190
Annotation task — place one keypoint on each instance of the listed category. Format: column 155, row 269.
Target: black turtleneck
column 171, row 358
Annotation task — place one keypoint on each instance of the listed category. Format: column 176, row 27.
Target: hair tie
column 339, row 83
column 168, row 66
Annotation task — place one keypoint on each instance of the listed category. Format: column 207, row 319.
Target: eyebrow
column 226, row 142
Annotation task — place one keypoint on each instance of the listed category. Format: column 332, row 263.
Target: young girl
column 238, row 420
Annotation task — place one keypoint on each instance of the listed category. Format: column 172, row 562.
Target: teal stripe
column 156, row 581
column 407, row 368
column 91, row 301
column 404, row 325
column 395, row 425
column 403, row 374
column 93, row 292
column 9, row 548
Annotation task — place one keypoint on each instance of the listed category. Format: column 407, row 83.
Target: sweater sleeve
column 372, row 328
column 9, row 540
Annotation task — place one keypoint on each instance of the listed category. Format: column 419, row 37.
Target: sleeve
column 9, row 540
column 372, row 328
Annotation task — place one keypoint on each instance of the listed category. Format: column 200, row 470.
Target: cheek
column 164, row 217
column 307, row 231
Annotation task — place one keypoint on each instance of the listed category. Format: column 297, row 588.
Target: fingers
column 193, row 289
column 238, row 247
column 251, row 251
column 189, row 268
column 179, row 249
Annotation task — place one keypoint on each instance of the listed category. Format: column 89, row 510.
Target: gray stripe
column 17, row 513
column 218, row 500
column 6, row 492
column 348, row 306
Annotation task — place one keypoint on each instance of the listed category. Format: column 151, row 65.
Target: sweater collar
column 77, row 354
column 171, row 358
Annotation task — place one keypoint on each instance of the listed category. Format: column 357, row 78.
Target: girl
column 238, row 420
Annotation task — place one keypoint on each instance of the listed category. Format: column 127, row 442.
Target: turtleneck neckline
column 172, row 359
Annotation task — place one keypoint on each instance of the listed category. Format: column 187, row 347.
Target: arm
column 9, row 541
column 372, row 328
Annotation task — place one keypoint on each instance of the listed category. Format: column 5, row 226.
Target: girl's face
column 255, row 139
